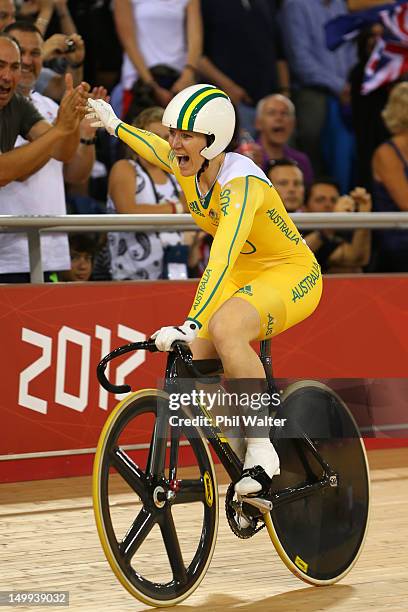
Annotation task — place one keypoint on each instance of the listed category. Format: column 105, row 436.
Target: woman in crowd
column 153, row 32
column 390, row 185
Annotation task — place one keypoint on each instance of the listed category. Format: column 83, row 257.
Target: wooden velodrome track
column 48, row 541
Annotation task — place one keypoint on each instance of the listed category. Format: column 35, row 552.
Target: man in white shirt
column 42, row 193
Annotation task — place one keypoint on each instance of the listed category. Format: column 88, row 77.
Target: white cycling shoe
column 260, row 466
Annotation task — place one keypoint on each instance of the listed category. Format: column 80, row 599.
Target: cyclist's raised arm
column 149, row 146
column 240, row 200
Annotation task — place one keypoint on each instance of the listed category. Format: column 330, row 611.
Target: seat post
column 265, row 356
column 266, row 359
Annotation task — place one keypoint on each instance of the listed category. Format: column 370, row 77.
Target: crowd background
column 325, row 146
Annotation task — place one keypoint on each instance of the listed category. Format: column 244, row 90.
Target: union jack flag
column 387, row 63
column 396, row 21
column 346, row 27
column 389, row 59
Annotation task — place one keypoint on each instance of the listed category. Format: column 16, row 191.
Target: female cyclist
column 261, row 277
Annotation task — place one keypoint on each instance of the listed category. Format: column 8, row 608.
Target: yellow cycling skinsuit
column 257, row 254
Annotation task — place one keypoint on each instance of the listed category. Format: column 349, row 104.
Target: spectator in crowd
column 275, row 122
column 62, row 53
column 368, row 124
column 339, row 252
column 243, row 53
column 390, row 187
column 19, row 116
column 153, row 32
column 7, row 13
column 287, row 178
column 43, row 191
column 319, row 76
column 82, row 248
column 32, row 45
column 138, row 187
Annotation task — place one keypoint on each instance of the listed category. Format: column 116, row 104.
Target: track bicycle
column 159, row 540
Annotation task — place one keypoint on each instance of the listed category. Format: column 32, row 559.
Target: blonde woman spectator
column 153, row 32
column 138, row 187
column 390, row 185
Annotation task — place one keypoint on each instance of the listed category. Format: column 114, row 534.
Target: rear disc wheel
column 320, row 537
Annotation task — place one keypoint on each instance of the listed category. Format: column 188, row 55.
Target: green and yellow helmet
column 204, row 109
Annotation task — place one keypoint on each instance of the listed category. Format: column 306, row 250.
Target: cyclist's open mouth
column 183, row 160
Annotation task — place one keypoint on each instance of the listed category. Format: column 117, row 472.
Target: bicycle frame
column 217, row 440
column 213, row 434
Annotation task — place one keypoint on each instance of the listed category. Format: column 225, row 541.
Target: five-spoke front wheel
column 157, row 518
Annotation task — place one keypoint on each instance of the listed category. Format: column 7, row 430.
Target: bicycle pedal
column 262, row 504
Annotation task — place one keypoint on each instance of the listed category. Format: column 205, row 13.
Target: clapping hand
column 73, row 105
column 344, row 204
column 358, row 200
column 362, row 199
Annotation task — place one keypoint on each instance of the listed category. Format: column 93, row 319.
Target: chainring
column 233, row 509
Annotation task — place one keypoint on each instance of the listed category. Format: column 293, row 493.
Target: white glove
column 103, row 114
column 165, row 336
